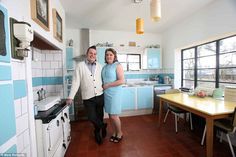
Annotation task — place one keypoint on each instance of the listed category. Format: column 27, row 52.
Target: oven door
column 55, row 134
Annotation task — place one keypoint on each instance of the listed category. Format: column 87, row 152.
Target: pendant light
column 139, row 26
column 155, row 10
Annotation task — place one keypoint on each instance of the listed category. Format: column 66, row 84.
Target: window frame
column 196, row 68
column 127, row 63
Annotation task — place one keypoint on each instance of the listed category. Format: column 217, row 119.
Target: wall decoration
column 40, row 13
column 4, row 35
column 57, row 25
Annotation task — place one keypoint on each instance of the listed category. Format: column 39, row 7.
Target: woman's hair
column 91, row 47
column 114, row 53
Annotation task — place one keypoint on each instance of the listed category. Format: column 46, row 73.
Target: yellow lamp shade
column 155, row 10
column 139, row 26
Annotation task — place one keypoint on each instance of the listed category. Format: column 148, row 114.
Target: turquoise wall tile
column 6, row 58
column 37, row 81
column 5, row 73
column 19, row 88
column 12, row 150
column 7, row 113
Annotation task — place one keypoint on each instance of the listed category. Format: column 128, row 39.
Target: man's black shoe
column 98, row 138
column 104, row 130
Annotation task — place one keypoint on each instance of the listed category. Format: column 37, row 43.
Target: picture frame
column 40, row 13
column 57, row 25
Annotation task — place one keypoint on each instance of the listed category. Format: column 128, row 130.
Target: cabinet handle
column 64, row 145
column 58, row 122
column 62, row 118
column 66, row 115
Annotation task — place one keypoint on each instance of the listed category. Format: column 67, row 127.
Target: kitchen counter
column 48, row 115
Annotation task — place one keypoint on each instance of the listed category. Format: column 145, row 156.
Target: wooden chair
column 176, row 111
column 227, row 126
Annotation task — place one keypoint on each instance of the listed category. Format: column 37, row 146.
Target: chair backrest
column 172, row 91
column 234, row 118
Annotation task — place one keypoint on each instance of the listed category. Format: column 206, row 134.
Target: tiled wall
column 47, row 72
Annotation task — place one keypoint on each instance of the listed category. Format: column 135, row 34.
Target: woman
column 113, row 78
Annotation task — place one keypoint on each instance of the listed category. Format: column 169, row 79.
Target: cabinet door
column 128, row 98
column 101, row 55
column 153, row 58
column 69, row 58
column 144, row 97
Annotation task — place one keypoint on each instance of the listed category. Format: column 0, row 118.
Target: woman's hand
column 105, row 86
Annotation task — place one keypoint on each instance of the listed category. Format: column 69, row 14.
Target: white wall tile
column 50, row 88
column 24, row 105
column 49, row 57
column 39, row 72
column 46, row 65
column 49, row 73
column 21, row 124
column 18, row 71
column 17, row 104
column 20, row 143
column 26, row 151
column 60, row 64
column 26, row 136
column 57, row 57
column 58, row 72
column 54, row 65
column 43, row 57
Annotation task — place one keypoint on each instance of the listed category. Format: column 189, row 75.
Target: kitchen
column 211, row 20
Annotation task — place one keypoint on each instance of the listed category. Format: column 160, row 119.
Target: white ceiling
column 120, row 15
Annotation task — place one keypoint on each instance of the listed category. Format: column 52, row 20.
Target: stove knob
column 62, row 118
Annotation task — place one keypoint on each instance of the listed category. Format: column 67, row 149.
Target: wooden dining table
column 208, row 108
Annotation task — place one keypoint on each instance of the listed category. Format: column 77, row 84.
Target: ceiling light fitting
column 139, row 26
column 155, row 10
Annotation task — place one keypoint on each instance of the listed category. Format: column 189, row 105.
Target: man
column 87, row 76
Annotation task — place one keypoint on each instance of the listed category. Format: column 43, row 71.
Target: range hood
column 42, row 43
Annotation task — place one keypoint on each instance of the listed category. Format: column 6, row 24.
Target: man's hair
column 91, row 47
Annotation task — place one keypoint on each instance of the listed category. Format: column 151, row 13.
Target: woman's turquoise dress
column 112, row 95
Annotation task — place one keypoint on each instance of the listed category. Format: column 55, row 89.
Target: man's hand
column 69, row 101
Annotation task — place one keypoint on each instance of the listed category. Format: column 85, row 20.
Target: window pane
column 121, row 57
column 207, row 62
column 188, row 64
column 205, row 50
column 133, row 58
column 228, row 60
column 228, row 45
column 134, row 66
column 188, row 74
column 206, row 74
column 228, row 75
column 188, row 53
column 206, row 84
column 188, row 84
column 124, row 65
column 223, row 85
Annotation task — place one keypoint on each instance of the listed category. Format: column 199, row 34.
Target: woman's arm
column 120, row 78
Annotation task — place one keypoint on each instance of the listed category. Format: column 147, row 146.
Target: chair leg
column 203, row 136
column 176, row 124
column 230, row 145
column 221, row 136
column 191, row 122
column 166, row 115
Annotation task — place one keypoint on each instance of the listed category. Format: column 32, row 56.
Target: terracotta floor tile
column 143, row 138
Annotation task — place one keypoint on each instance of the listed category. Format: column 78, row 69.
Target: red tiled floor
column 143, row 138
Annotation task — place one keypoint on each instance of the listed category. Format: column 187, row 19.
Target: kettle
column 167, row 80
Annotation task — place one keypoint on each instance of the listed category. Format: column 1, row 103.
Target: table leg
column 209, row 137
column 160, row 111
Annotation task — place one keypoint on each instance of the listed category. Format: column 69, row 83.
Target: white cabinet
column 53, row 132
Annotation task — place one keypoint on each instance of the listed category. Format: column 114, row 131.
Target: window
column 211, row 64
column 130, row 61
